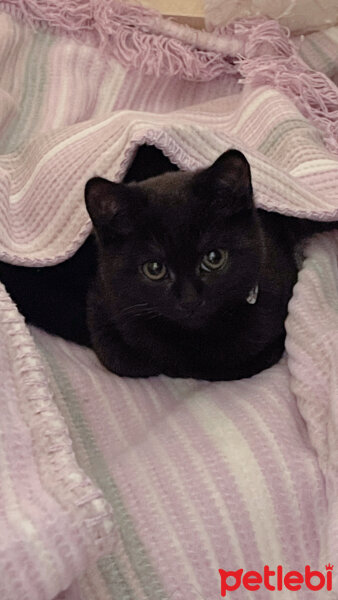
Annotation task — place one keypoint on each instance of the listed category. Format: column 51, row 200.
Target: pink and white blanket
column 144, row 489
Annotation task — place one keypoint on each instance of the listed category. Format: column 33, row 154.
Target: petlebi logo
column 276, row 579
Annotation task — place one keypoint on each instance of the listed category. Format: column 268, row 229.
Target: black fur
column 193, row 322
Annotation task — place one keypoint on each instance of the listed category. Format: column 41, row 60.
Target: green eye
column 154, row 270
column 214, row 260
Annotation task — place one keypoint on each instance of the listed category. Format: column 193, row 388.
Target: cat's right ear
column 106, row 204
column 228, row 182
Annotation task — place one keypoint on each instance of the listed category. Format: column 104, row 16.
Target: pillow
column 300, row 16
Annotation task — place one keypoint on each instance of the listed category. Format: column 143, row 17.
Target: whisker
column 154, row 316
column 139, row 311
column 128, row 308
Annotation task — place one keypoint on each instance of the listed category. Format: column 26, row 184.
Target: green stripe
column 113, row 577
column 97, row 470
column 275, row 135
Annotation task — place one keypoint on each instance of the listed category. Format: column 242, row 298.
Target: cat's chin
column 192, row 322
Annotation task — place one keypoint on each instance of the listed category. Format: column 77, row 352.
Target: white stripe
column 245, row 470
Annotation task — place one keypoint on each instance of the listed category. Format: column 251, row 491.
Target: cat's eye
column 154, row 270
column 214, row 260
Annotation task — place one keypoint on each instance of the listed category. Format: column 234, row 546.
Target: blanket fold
column 53, row 521
column 45, row 179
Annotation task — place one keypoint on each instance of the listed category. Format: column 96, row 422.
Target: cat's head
column 182, row 245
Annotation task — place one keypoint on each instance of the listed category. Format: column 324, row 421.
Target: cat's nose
column 189, row 296
column 190, row 305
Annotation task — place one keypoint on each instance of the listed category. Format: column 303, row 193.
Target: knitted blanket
column 144, row 489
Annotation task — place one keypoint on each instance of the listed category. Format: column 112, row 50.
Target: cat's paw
column 126, row 364
column 127, row 369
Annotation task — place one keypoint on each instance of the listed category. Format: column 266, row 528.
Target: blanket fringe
column 270, row 58
column 157, row 46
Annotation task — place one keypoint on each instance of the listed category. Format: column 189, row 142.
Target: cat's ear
column 228, row 180
column 107, row 205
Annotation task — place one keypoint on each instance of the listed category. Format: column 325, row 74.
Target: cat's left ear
column 107, row 205
column 228, row 181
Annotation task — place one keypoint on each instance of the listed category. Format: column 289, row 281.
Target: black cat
column 186, row 277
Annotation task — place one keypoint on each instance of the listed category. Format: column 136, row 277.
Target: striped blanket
column 116, row 488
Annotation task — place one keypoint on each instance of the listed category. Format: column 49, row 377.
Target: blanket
column 145, row 489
